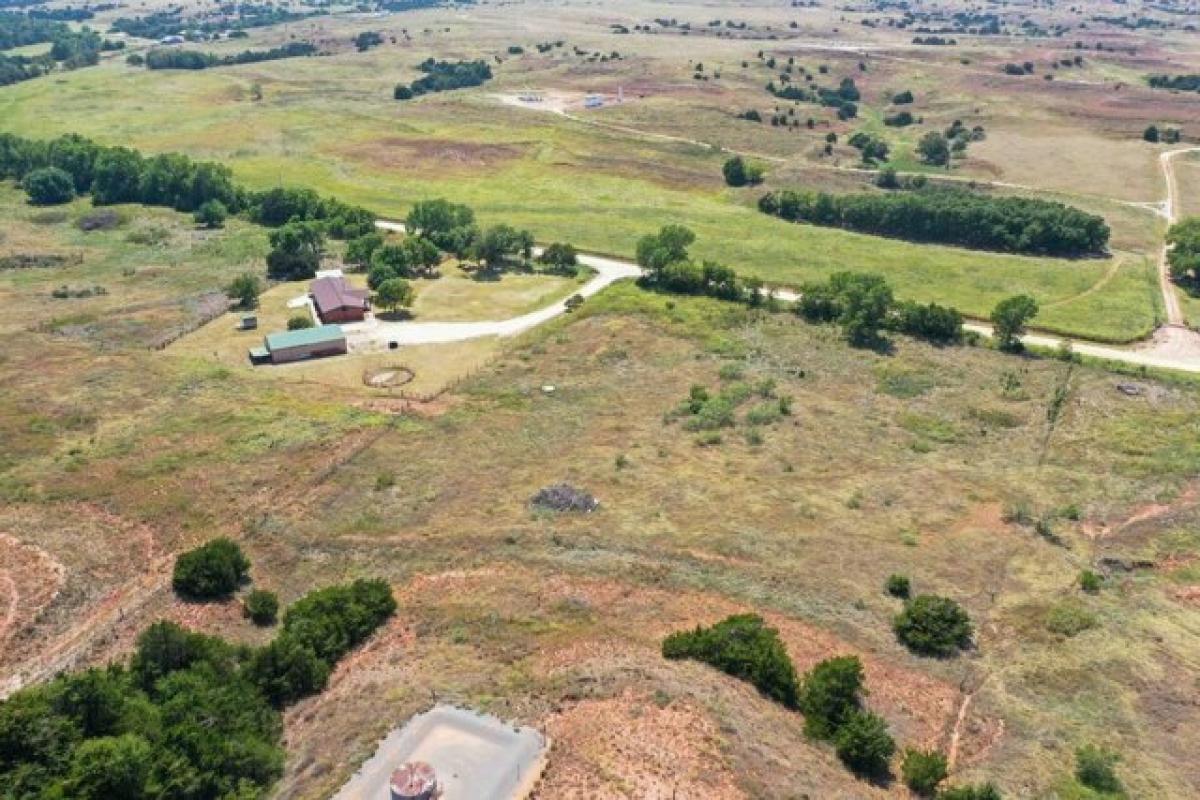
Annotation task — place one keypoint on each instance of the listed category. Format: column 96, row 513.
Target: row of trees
column 443, row 76
column 191, row 717
column 1183, row 83
column 56, row 170
column 830, row 696
column 863, row 305
column 669, row 268
column 194, row 59
column 951, row 216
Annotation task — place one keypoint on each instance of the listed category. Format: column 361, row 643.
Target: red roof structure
column 337, row 301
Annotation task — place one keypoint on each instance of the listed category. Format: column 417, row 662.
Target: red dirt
column 437, row 155
column 627, row 746
column 30, row 580
column 1147, row 512
column 1188, row 594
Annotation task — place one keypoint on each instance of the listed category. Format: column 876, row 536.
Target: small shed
column 249, row 322
column 303, row 344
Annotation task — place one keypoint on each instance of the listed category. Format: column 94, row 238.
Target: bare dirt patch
column 432, row 155
column 628, row 746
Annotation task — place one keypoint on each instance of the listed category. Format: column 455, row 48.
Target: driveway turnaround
column 374, row 333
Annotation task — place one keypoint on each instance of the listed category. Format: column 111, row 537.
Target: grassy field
column 329, row 123
column 988, row 478
column 555, row 620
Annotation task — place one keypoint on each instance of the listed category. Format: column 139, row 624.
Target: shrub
column 739, row 172
column 764, row 414
column 331, row 621
column 983, row 791
column 245, row 289
column 211, row 214
column 933, row 626
column 261, row 607
column 1089, row 581
column 898, row 586
column 299, row 322
column 212, row 570
column 923, row 770
column 864, row 744
column 286, row 671
column 1095, row 769
column 830, row 694
column 49, row 186
column 561, row 258
column 1068, row 619
column 742, row 646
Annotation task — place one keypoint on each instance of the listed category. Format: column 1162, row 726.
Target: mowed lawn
column 329, row 123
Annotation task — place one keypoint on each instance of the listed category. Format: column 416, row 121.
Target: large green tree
column 296, row 250
column 1009, row 318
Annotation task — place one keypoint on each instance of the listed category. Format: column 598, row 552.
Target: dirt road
column 1171, row 212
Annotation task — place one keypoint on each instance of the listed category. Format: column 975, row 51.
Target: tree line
column 832, row 694
column 1183, row 83
column 190, row 716
column 950, row 216
column 171, row 22
column 123, row 175
column 443, row 76
column 192, row 59
column 72, row 49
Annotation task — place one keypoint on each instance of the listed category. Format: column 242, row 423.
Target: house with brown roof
column 337, row 301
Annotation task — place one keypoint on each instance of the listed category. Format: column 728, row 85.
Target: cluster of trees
column 863, row 305
column 739, row 172
column 743, row 646
column 245, row 15
column 451, row 227
column 1183, row 83
column 56, row 170
column 844, row 98
column 19, row 30
column 70, row 48
column 1154, row 135
column 121, row 175
column 318, row 629
column 830, row 696
column 873, row 148
column 443, row 76
column 831, row 700
column 194, row 59
column 951, row 216
column 670, row 268
column 1184, row 256
column 191, row 716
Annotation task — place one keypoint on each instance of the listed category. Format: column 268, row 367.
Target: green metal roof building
column 306, row 343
